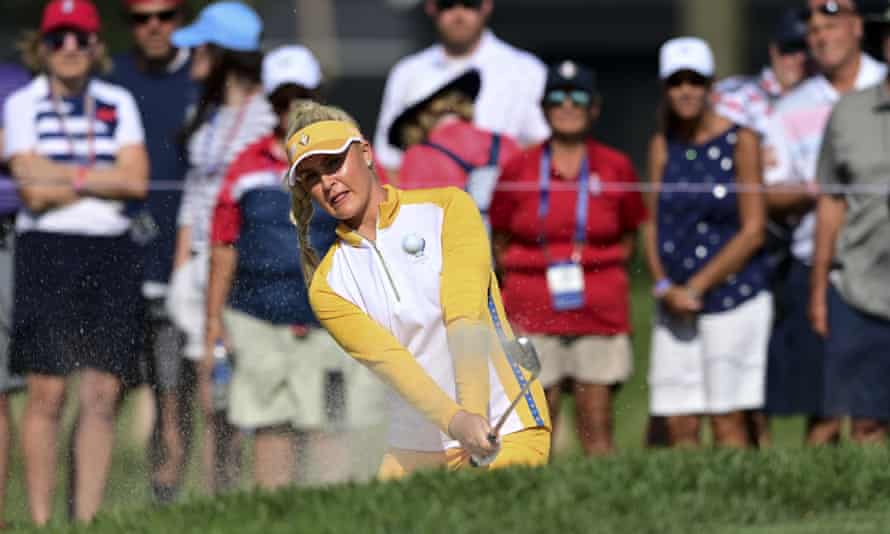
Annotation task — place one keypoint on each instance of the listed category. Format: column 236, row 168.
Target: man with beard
column 157, row 74
column 797, row 382
column 512, row 79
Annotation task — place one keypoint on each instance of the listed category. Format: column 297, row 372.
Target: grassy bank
column 827, row 490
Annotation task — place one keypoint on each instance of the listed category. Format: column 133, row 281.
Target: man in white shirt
column 512, row 79
column 793, row 139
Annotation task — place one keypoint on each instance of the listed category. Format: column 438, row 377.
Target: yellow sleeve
column 465, row 280
column 377, row 349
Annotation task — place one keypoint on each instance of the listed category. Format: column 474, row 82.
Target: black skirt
column 77, row 305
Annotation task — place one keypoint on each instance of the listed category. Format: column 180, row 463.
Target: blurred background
column 358, row 41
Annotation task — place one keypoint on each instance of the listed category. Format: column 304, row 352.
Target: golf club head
column 523, row 351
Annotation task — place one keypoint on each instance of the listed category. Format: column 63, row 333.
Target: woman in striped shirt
column 76, row 149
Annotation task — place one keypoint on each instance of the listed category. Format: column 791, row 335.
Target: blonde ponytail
column 306, row 113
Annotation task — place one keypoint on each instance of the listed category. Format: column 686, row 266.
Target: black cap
column 790, row 34
column 570, row 75
column 875, row 11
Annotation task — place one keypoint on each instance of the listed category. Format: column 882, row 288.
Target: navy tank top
column 693, row 226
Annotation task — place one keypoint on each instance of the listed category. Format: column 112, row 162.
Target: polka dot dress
column 694, row 225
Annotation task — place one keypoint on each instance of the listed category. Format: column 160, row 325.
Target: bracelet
column 661, row 287
column 80, row 179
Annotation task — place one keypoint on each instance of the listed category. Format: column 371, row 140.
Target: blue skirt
column 857, row 362
column 78, row 305
column 795, row 365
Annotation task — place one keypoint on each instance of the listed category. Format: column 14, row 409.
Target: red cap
column 77, row 14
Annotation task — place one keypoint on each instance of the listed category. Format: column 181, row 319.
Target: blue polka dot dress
column 694, row 225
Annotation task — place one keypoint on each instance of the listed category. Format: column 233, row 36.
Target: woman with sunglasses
column 232, row 114
column 714, row 310
column 76, row 149
column 407, row 289
column 563, row 239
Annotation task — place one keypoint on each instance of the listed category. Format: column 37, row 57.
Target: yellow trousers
column 530, row 447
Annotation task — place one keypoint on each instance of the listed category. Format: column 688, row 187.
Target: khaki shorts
column 603, row 360
column 308, row 382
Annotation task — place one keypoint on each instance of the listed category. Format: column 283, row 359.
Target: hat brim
column 328, row 147
column 468, row 83
column 190, row 36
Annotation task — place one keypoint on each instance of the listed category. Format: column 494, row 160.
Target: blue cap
column 230, row 25
column 570, row 75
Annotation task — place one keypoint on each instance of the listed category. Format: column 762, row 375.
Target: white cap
column 290, row 64
column 685, row 53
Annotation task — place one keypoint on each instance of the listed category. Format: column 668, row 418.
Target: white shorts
column 713, row 364
column 187, row 303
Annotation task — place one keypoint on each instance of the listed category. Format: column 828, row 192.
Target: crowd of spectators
column 758, row 221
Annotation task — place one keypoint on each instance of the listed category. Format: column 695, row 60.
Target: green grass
column 787, row 489
column 827, row 490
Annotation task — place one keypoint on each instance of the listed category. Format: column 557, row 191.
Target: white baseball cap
column 685, row 53
column 290, row 64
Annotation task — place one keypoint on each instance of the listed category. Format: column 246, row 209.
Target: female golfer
column 408, row 290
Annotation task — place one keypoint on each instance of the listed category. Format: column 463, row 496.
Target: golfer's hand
column 472, row 431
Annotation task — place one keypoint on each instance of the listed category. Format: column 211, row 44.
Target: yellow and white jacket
column 397, row 304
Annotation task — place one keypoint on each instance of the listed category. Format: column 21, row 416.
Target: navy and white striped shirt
column 32, row 123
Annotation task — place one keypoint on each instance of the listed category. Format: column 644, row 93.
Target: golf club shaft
column 496, row 430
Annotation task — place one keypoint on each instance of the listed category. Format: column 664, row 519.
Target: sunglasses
column 444, row 5
column 56, row 40
column 830, row 8
column 577, row 97
column 686, row 77
column 141, row 19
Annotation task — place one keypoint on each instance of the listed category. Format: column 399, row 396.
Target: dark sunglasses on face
column 56, row 40
column 686, row 77
column 444, row 5
column 139, row 19
column 558, row 96
column 830, row 8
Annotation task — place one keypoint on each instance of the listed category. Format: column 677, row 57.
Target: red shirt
column 425, row 167
column 612, row 214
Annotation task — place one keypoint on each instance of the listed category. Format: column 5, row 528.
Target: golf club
column 523, row 352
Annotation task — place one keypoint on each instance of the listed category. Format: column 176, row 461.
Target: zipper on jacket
column 385, row 269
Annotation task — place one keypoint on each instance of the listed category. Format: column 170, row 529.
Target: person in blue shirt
column 157, row 73
column 711, row 331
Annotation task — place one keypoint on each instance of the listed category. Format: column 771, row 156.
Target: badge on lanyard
column 565, row 278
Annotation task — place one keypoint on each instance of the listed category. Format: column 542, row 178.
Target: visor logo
column 304, row 140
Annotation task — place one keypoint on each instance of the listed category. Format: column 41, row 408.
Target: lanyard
column 581, row 206
column 90, row 113
column 213, row 168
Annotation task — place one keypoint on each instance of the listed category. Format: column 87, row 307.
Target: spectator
column 232, row 114
column 512, row 79
column 849, row 299
column 12, row 77
column 76, row 149
column 157, row 73
column 257, row 300
column 748, row 102
column 575, row 231
column 714, row 310
column 423, row 309
column 442, row 146
column 792, row 143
